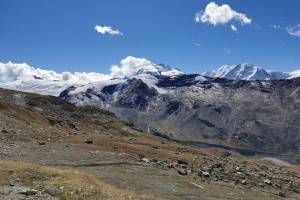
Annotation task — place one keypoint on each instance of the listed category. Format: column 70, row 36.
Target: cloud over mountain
column 30, row 79
column 132, row 66
column 129, row 67
column 10, row 72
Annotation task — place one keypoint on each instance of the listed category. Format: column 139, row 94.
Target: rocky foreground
column 87, row 153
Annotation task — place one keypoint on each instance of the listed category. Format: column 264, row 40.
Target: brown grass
column 61, row 183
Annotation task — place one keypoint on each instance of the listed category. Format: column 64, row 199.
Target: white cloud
column 131, row 66
column 10, row 72
column 295, row 30
column 220, row 15
column 108, row 30
column 128, row 67
column 233, row 27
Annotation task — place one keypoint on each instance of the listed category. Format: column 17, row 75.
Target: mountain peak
column 248, row 71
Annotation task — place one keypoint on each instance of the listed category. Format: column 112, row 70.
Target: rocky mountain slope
column 87, row 153
column 259, row 116
column 253, row 117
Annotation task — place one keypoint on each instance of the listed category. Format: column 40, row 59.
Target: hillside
column 96, row 148
column 260, row 117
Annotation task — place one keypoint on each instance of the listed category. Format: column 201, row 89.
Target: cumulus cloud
column 10, row 72
column 294, row 31
column 13, row 71
column 220, row 15
column 131, row 66
column 107, row 30
column 128, row 67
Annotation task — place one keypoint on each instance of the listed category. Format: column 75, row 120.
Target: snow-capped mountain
column 257, row 115
column 29, row 79
column 295, row 74
column 191, row 107
column 249, row 72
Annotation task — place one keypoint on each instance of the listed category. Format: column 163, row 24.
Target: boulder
column 182, row 172
column 29, row 192
column 89, row 141
column 42, row 143
column 205, row 174
column 267, row 182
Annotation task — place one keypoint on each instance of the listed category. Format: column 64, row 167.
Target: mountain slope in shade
column 249, row 72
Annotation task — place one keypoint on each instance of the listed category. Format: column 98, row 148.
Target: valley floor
column 123, row 171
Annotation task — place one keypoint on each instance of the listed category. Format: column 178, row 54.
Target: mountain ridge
column 247, row 71
column 25, row 78
column 258, row 115
column 238, row 113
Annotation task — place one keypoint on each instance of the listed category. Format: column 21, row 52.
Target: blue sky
column 60, row 34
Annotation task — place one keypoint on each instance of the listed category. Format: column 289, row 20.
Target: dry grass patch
column 61, row 183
